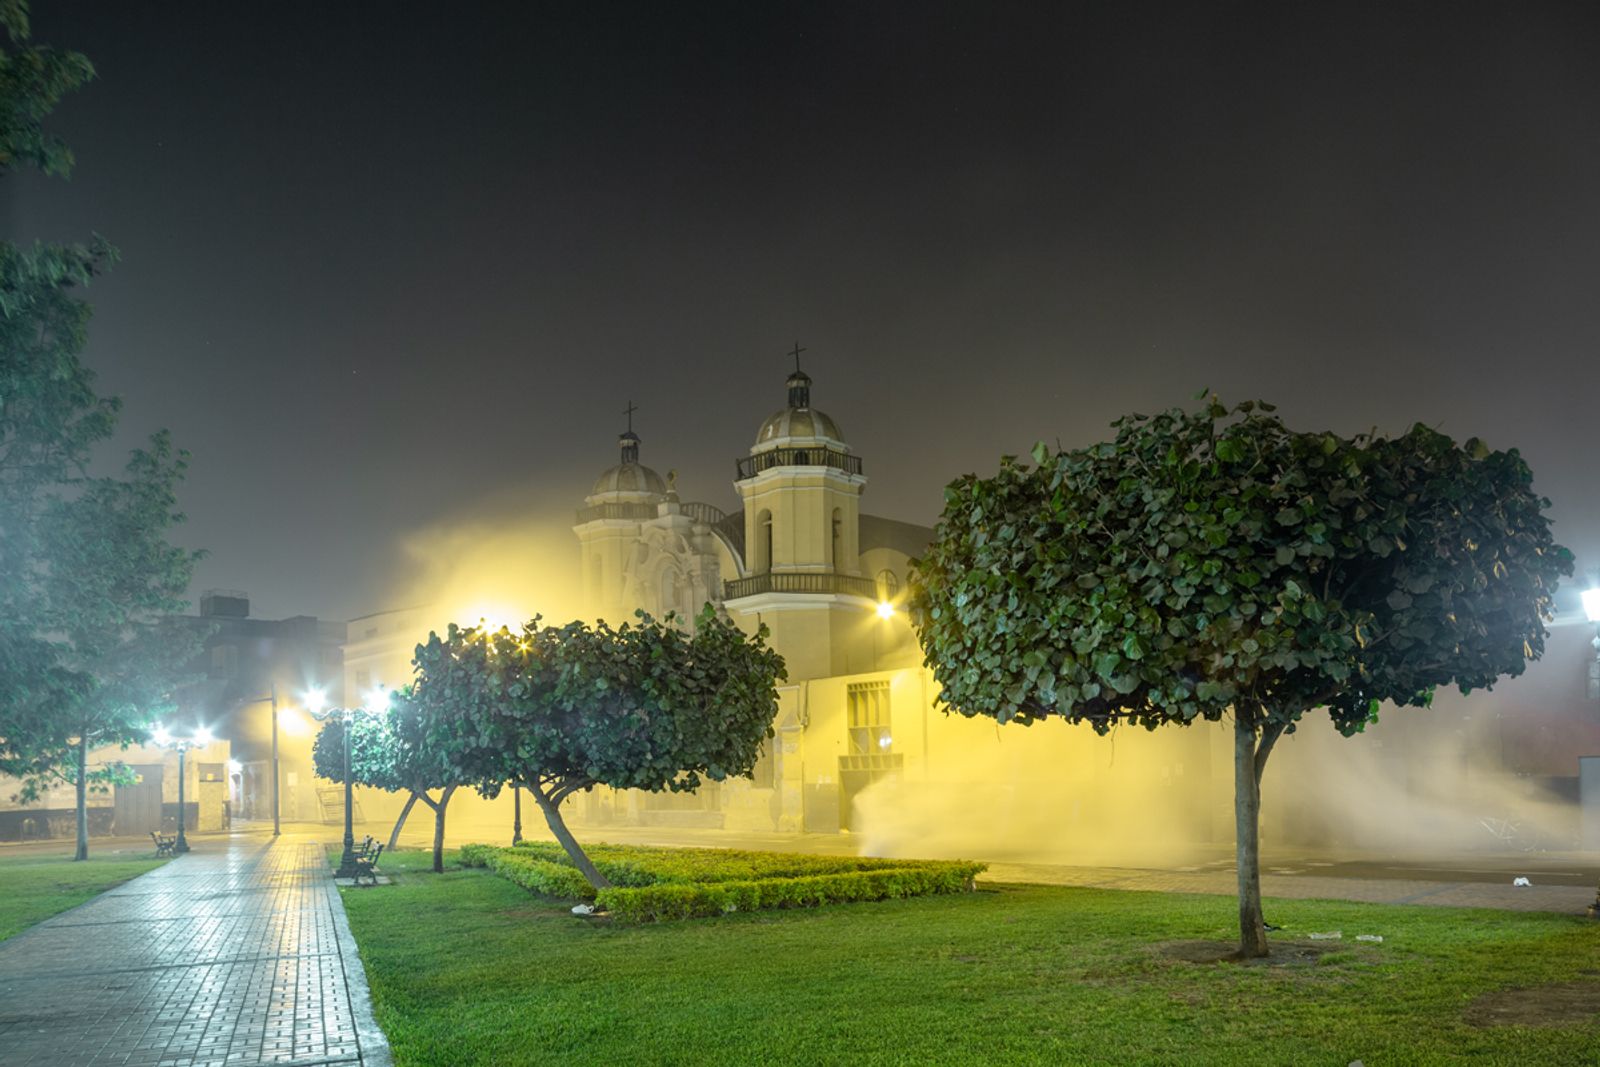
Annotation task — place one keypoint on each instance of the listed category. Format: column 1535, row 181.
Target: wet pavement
column 236, row 953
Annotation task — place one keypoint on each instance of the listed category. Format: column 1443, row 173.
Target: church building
column 827, row 579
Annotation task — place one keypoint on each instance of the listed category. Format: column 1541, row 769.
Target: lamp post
column 1591, row 608
column 316, row 702
column 165, row 738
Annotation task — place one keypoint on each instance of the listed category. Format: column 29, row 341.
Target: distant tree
column 112, row 583
column 1214, row 564
column 559, row 710
column 396, row 751
column 85, row 573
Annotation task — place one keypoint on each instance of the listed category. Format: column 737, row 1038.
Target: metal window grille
column 867, row 713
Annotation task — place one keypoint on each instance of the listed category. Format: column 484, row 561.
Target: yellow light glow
column 316, row 701
column 885, row 610
column 291, row 722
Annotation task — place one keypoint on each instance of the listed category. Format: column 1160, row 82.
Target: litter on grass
column 1331, row 935
column 583, row 909
column 1370, row 937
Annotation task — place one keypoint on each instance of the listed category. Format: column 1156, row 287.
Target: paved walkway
column 237, row 953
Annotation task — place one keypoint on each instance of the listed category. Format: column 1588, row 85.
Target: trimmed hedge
column 655, row 884
column 642, row 865
column 676, row 900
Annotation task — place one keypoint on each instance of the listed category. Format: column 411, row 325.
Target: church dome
column 798, row 423
column 629, row 478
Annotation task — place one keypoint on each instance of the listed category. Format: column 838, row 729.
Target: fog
column 1419, row 783
column 502, row 569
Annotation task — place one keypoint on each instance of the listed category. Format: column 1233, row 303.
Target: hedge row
column 688, row 901
column 641, row 865
column 530, row 872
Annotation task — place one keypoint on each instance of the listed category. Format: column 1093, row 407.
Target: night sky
column 387, row 269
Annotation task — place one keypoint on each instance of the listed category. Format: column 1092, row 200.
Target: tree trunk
column 394, row 835
column 83, row 800
column 558, row 826
column 1247, row 823
column 438, row 829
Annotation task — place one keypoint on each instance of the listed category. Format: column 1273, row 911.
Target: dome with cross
column 629, row 481
column 798, row 424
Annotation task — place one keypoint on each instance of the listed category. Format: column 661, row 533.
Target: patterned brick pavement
column 236, row 953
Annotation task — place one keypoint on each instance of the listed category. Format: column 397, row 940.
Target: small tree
column 392, row 751
column 559, row 710
column 1217, row 563
column 111, row 585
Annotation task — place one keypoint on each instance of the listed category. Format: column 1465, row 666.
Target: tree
column 396, row 750
column 85, row 573
column 111, row 585
column 559, row 710
column 1217, row 564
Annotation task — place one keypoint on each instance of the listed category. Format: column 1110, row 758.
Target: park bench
column 164, row 845
column 367, row 864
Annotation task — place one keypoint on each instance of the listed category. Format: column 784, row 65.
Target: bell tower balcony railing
column 750, row 466
column 801, row 582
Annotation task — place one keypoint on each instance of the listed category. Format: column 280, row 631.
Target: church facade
column 860, row 745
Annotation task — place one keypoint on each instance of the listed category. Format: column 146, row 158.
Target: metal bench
column 367, row 864
column 165, row 846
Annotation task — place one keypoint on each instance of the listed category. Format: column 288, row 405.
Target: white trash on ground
column 1370, row 937
column 1331, row 935
column 583, row 909
column 1521, row 881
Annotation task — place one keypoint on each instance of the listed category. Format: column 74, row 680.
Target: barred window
column 868, row 718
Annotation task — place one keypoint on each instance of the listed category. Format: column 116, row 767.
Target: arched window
column 838, row 539
column 888, row 586
column 764, row 542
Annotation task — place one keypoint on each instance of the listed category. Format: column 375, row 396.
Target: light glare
column 1591, row 603
column 885, row 610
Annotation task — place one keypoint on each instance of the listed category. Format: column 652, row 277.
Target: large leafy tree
column 86, row 575
column 1216, row 565
column 398, row 750
column 559, row 710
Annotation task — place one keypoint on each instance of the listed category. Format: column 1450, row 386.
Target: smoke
column 1049, row 793
column 1420, row 783
column 503, row 564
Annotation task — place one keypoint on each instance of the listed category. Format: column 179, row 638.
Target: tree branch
column 1269, row 737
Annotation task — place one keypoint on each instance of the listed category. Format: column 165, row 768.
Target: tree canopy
column 1216, row 563
column 399, row 749
column 557, row 710
column 86, row 574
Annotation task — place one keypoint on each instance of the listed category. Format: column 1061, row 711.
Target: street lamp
column 317, row 704
column 1591, row 608
column 166, row 739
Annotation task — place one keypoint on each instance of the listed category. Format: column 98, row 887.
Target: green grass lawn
column 34, row 887
column 466, row 968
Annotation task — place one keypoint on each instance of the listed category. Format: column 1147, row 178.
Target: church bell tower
column 801, row 487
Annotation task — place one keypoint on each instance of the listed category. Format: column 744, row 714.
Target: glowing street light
column 164, row 738
column 885, row 610
column 316, row 702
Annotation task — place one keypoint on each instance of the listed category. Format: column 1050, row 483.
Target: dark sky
column 386, row 268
